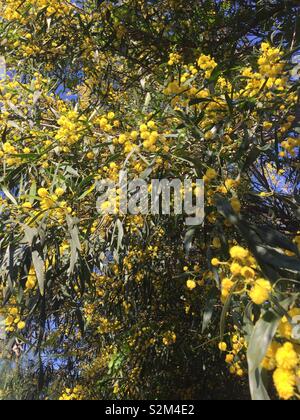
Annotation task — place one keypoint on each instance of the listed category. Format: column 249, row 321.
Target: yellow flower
column 265, row 194
column 211, row 174
column 31, row 279
column 222, row 346
column 285, row 382
column 134, row 135
column 229, row 358
column 143, row 128
column 111, row 115
column 151, row 125
column 191, row 284
column 227, row 284
column 285, row 329
column 21, row 325
column 14, row 311
column 169, row 338
column 43, row 193
column 286, row 357
column 27, row 205
column 230, row 183
column 174, row 58
column 269, row 362
column 59, row 192
column 260, row 293
column 71, row 125
column 235, row 269
column 90, row 155
column 248, row 272
column 207, row 64
column 215, row 262
column 237, row 252
column 30, row 284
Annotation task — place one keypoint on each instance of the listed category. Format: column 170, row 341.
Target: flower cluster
column 207, row 64
column 71, row 128
column 14, row 10
column 235, row 358
column 174, row 58
column 270, row 64
column 74, row 394
column 284, row 360
column 14, row 320
column 169, row 338
column 244, row 275
column 124, row 297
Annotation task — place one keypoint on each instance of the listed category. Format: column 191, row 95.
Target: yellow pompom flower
column 215, row 262
column 111, row 115
column 191, row 284
column 90, row 155
column 31, row 279
column 285, row 382
column 260, row 293
column 227, row 284
column 151, row 125
column 59, row 192
column 235, row 269
column 43, row 193
column 14, row 311
column 237, row 252
column 222, row 347
column 207, row 64
column 286, row 357
column 248, row 272
column 229, row 359
column 21, row 325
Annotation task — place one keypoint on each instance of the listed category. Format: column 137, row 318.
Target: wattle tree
column 100, row 304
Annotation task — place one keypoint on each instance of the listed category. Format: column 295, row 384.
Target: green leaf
column 74, row 243
column 229, row 103
column 120, row 234
column 32, row 192
column 226, row 310
column 225, row 208
column 211, row 301
column 33, row 240
column 274, row 238
column 11, row 264
column 9, row 195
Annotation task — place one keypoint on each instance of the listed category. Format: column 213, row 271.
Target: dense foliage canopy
column 140, row 306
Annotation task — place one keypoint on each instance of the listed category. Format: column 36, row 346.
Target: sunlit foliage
column 134, row 306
